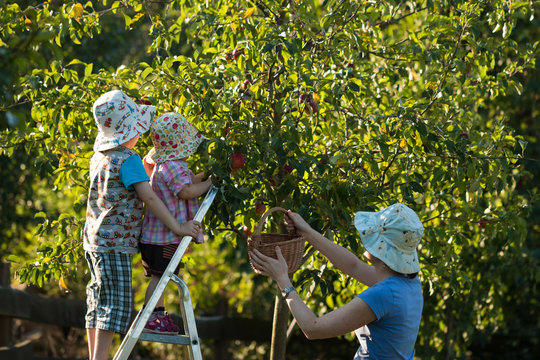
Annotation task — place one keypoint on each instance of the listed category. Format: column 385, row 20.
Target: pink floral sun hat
column 173, row 137
column 119, row 119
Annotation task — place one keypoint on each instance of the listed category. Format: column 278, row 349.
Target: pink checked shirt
column 167, row 180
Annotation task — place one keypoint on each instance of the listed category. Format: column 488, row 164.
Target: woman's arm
column 339, row 256
column 338, row 322
column 158, row 208
column 192, row 191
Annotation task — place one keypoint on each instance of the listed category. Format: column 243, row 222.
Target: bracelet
column 285, row 292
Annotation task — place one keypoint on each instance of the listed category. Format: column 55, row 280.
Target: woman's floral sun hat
column 392, row 235
column 119, row 119
column 173, row 137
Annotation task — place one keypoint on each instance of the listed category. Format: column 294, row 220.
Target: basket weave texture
column 291, row 245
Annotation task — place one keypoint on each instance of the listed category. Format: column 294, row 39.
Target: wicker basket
column 291, row 245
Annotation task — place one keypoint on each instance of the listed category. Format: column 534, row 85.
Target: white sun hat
column 392, row 235
column 119, row 119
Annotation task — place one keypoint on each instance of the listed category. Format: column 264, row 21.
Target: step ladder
column 191, row 338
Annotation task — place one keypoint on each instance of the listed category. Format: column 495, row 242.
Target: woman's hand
column 294, row 221
column 277, row 269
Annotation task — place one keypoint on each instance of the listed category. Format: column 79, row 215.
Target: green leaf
column 88, row 70
column 351, row 85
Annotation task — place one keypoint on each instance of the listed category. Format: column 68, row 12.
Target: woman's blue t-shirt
column 397, row 303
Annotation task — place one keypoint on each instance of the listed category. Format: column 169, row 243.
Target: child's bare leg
column 103, row 341
column 91, row 333
column 150, row 290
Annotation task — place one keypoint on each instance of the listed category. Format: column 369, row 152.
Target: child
column 174, row 139
column 119, row 186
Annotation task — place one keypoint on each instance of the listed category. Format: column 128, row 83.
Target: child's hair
column 173, row 137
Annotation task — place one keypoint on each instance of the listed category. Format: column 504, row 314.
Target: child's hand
column 190, row 228
column 197, row 178
column 148, row 163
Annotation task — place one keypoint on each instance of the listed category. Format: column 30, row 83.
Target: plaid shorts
column 108, row 294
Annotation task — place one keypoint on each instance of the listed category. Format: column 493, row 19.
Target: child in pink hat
column 174, row 139
column 119, row 186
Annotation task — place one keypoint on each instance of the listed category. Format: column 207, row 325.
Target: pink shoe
column 168, row 322
column 156, row 325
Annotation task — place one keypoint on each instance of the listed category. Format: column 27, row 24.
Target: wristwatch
column 285, row 292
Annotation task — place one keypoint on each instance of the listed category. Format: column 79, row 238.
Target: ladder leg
column 188, row 318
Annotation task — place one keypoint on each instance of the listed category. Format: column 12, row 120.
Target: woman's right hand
column 294, row 221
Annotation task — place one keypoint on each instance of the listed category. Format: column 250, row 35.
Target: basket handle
column 265, row 215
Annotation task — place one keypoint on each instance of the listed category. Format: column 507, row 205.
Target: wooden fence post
column 5, row 321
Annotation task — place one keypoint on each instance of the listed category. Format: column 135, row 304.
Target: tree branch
column 384, row 24
column 388, row 167
column 447, row 68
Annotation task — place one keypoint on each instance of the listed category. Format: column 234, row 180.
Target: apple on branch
column 260, row 208
column 238, row 160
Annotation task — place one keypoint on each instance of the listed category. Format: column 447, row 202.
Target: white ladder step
column 163, row 338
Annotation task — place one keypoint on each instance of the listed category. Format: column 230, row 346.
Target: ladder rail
column 136, row 328
column 188, row 319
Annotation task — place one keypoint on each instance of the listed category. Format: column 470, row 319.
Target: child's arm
column 158, row 208
column 192, row 191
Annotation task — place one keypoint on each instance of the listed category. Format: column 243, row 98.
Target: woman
column 387, row 314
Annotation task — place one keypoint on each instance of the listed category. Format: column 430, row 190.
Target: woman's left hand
column 277, row 269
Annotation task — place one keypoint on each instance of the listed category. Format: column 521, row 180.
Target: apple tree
column 323, row 107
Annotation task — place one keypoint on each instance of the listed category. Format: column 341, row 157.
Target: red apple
column 350, row 65
column 483, row 222
column 144, row 101
column 302, row 98
column 287, row 169
column 464, row 135
column 238, row 160
column 237, row 52
column 314, row 106
column 247, row 231
column 260, row 208
column 246, row 83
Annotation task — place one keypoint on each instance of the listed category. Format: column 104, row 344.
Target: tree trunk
column 5, row 322
column 278, row 346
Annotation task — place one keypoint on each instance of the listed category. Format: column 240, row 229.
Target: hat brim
column 141, row 125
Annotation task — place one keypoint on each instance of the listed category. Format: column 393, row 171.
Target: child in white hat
column 388, row 312
column 174, row 139
column 119, row 186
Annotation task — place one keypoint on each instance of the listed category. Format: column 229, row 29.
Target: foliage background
column 430, row 103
